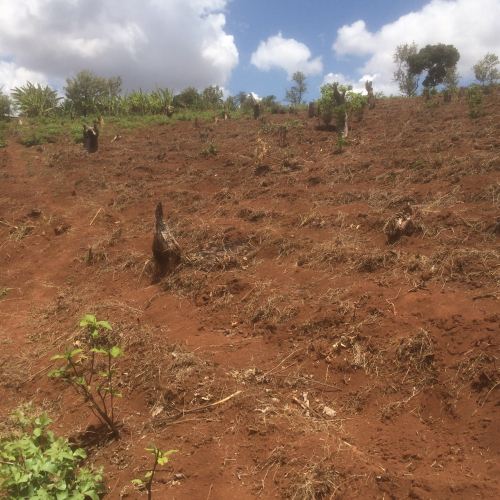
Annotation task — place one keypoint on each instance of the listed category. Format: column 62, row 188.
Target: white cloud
column 470, row 25
column 172, row 43
column 287, row 54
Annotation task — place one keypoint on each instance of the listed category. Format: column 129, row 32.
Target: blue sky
column 236, row 44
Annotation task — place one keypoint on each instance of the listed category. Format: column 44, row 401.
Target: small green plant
column 38, row 466
column 431, row 104
column 3, row 144
column 4, row 291
column 76, row 133
column 80, row 370
column 211, row 150
column 161, row 458
column 341, row 142
column 32, row 139
column 474, row 100
column 269, row 128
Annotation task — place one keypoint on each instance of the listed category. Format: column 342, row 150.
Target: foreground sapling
column 160, row 458
column 81, row 369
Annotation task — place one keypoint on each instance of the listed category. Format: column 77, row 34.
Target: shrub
column 37, row 465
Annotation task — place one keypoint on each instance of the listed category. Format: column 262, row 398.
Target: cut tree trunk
column 256, row 110
column 91, row 138
column 447, row 96
column 166, row 250
column 371, row 97
column 312, row 112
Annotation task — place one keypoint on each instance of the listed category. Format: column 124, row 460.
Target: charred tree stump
column 447, row 96
column 282, row 136
column 312, row 111
column 91, row 138
column 256, row 110
column 371, row 97
column 166, row 250
column 339, row 98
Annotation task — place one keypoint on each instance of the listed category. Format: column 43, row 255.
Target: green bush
column 38, row 466
column 32, row 139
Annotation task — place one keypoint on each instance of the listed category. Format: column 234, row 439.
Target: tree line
column 89, row 94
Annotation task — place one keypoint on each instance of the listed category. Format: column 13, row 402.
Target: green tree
column 5, row 105
column 87, row 91
column 406, row 80
column 451, row 79
column 240, row 98
column 435, row 59
column 294, row 95
column 212, row 96
column 34, row 100
column 188, row 98
column 485, row 70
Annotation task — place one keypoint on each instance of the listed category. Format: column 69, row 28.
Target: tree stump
column 371, row 97
column 282, row 136
column 339, row 98
column 166, row 250
column 170, row 111
column 312, row 112
column 461, row 92
column 256, row 110
column 91, row 138
column 101, row 121
column 447, row 96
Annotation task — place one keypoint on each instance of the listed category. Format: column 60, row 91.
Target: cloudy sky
column 236, row 44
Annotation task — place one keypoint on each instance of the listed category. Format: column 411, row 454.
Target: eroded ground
column 361, row 364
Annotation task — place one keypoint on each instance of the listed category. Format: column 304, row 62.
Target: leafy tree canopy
column 34, row 100
column 240, row 98
column 294, row 95
column 5, row 105
column 435, row 59
column 212, row 96
column 406, row 80
column 87, row 89
column 485, row 70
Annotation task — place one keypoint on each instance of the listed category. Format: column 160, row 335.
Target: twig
column 312, row 382
column 484, row 402
column 392, row 303
column 95, row 217
column 282, row 361
column 212, row 404
column 210, row 491
column 7, row 224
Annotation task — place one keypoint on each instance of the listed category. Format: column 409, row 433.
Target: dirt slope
column 366, row 359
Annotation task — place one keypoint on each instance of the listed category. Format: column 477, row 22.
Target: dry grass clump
column 274, row 308
column 311, row 219
column 315, row 481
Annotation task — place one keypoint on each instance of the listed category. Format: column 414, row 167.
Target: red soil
column 367, row 369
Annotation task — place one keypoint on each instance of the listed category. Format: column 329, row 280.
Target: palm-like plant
column 34, row 100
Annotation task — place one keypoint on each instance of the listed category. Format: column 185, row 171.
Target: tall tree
column 188, row 98
column 435, row 59
column 240, row 98
column 406, row 80
column 212, row 96
column 294, row 95
column 87, row 90
column 485, row 70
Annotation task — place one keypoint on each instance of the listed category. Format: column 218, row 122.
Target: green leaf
column 80, row 453
column 37, row 432
column 99, row 350
column 137, row 481
column 116, row 351
column 92, row 494
column 105, row 324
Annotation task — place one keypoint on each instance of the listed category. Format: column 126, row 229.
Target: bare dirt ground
column 362, row 362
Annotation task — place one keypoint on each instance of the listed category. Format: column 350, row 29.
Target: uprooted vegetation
column 330, row 329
